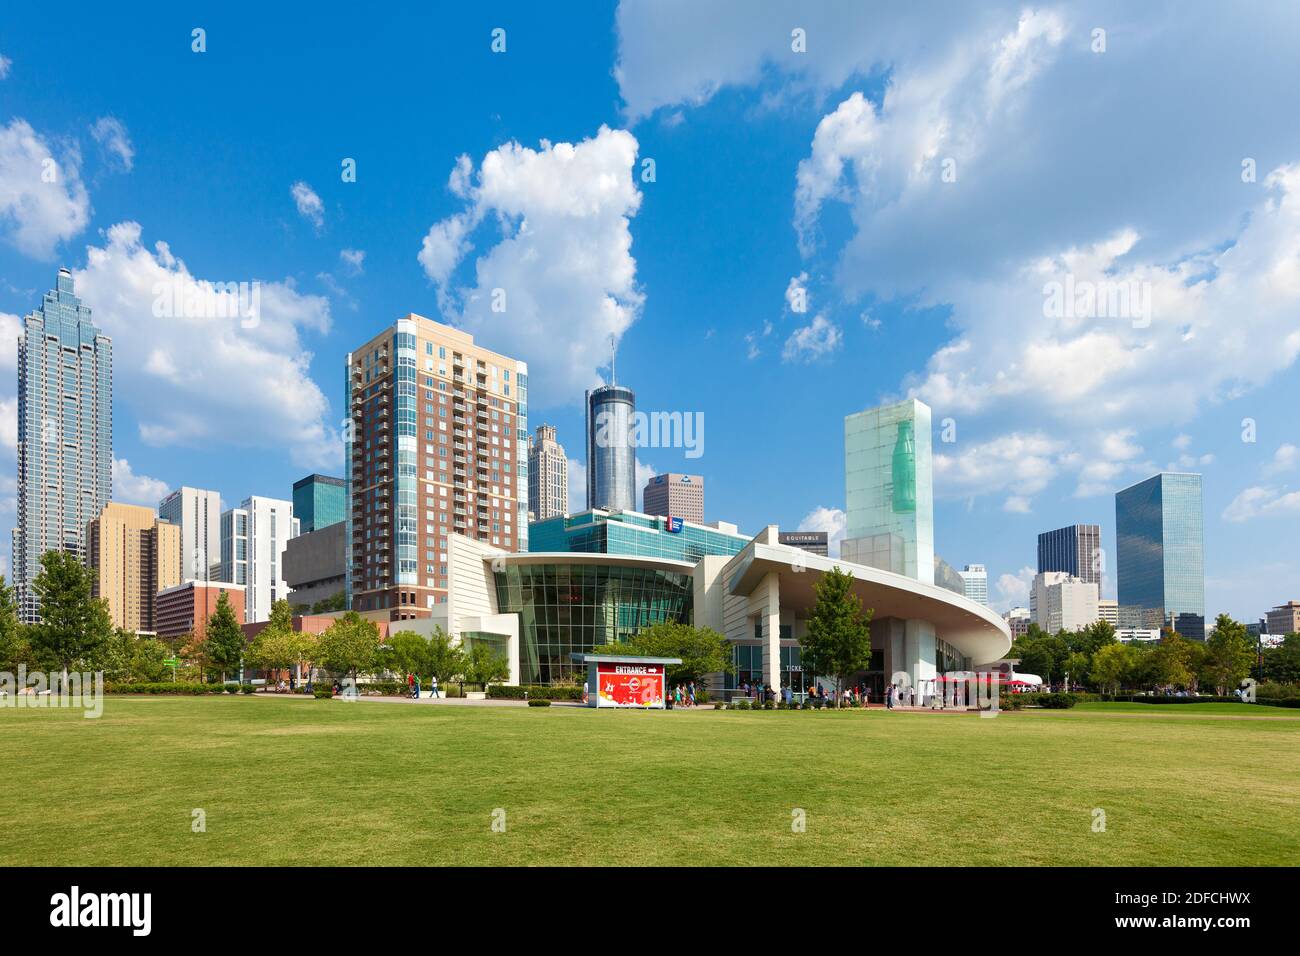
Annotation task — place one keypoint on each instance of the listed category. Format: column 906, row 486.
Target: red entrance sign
column 630, row 685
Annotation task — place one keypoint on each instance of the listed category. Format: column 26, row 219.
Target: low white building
column 1061, row 602
column 1137, row 635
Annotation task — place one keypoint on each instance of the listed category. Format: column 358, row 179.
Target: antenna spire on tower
column 613, row 354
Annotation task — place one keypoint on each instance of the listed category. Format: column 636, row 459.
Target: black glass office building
column 1160, row 554
column 566, row 608
column 1076, row 550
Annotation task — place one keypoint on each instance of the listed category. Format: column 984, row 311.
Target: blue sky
column 920, row 177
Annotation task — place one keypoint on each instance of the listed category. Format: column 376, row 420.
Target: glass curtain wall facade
column 1076, row 550
column 1160, row 554
column 319, row 501
column 596, row 532
column 611, row 451
column 570, row 608
column 65, row 434
column 888, row 489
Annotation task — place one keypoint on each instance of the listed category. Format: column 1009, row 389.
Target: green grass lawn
column 290, row 781
column 1213, row 708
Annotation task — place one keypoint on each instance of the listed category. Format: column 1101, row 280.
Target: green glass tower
column 888, row 489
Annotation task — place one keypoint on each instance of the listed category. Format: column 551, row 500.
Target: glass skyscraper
column 65, row 434
column 1075, row 549
column 319, row 501
column 611, row 449
column 1160, row 548
column 888, row 490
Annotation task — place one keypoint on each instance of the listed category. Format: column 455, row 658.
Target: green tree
column 1168, row 663
column 1228, row 655
column 225, row 645
column 1077, row 666
column 14, row 649
column 409, row 654
column 838, row 638
column 73, row 624
column 114, row 656
column 1282, row 664
column 1092, row 638
column 277, row 646
column 194, row 652
column 485, row 665
column 1111, row 667
column 274, row 649
column 349, row 646
column 335, row 602
column 446, row 660
column 703, row 650
column 147, row 660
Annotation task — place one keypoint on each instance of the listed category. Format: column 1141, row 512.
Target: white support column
column 920, row 654
column 771, row 614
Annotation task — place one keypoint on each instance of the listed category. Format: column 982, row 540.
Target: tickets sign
column 630, row 685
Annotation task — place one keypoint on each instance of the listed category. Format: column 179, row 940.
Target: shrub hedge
column 538, row 702
column 1260, row 699
column 184, row 688
column 532, row 692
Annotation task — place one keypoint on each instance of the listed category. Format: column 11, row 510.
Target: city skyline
column 336, row 263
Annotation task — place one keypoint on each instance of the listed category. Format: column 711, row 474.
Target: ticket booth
column 626, row 681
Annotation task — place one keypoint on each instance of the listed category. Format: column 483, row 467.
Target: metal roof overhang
column 975, row 630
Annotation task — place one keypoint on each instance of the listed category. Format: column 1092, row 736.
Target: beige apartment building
column 1284, row 619
column 132, row 555
column 439, row 431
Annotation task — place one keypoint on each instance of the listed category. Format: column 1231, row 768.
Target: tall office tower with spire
column 611, row 445
column 437, row 445
column 548, row 475
column 65, row 434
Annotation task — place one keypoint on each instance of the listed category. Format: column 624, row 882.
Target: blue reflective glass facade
column 319, row 501
column 631, row 533
column 611, row 448
column 1160, row 554
column 65, row 433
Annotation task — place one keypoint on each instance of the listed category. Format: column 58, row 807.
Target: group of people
column 856, row 696
column 413, row 686
column 684, row 695
column 896, row 695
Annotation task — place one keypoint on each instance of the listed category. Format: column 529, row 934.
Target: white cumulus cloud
column 831, row 520
column 192, row 369
column 42, row 199
column 115, row 141
column 818, row 339
column 561, row 276
column 309, row 204
column 136, row 489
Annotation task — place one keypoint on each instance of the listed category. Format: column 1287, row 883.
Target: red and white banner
column 630, row 685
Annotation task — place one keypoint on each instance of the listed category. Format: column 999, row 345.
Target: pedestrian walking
column 433, row 686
